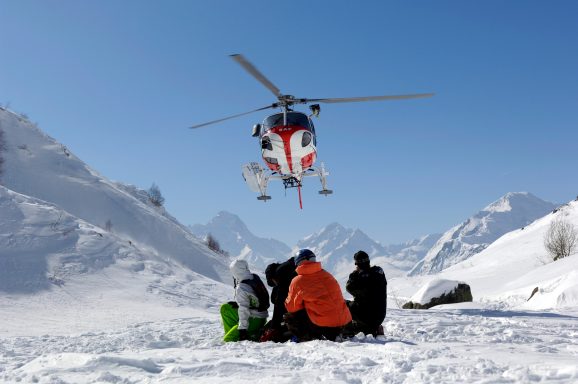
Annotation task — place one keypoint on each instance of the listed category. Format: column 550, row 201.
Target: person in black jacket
column 368, row 286
column 279, row 277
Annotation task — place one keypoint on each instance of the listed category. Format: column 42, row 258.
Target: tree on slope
column 155, row 195
column 214, row 245
column 561, row 239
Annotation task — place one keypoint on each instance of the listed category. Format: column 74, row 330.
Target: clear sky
column 119, row 82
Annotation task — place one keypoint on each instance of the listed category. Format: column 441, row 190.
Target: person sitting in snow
column 245, row 318
column 315, row 305
column 279, row 277
column 368, row 286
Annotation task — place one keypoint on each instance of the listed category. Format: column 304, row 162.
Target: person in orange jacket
column 315, row 305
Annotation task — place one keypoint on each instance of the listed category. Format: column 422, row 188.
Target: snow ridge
column 512, row 211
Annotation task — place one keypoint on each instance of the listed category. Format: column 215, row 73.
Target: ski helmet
column 302, row 255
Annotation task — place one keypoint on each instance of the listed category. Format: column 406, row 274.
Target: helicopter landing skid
column 257, row 178
column 322, row 173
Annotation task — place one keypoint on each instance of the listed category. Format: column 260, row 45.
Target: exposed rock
column 533, row 293
column 462, row 293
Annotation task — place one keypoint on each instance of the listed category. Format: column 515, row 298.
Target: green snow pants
column 230, row 316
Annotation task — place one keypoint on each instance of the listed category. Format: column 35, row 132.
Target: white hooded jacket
column 244, row 294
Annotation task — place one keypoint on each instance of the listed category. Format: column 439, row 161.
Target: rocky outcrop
column 461, row 293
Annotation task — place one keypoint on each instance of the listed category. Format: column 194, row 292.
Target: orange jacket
column 317, row 291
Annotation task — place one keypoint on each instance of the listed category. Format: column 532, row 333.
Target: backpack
column 260, row 291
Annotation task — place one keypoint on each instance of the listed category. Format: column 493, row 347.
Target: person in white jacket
column 245, row 318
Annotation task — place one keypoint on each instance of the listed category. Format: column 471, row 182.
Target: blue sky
column 119, row 82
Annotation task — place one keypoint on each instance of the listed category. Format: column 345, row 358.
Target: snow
column 140, row 303
column 434, row 288
column 448, row 345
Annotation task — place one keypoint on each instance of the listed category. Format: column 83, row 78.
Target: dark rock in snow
column 462, row 293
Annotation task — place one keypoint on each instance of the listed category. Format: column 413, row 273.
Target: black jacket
column 282, row 274
column 369, row 290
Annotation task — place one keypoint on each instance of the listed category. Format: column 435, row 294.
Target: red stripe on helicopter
column 286, row 132
column 308, row 160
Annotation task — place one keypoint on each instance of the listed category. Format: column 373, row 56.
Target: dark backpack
column 260, row 291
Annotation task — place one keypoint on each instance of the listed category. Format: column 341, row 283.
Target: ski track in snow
column 419, row 347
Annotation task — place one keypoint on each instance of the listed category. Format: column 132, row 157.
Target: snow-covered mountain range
column 335, row 245
column 512, row 211
column 235, row 238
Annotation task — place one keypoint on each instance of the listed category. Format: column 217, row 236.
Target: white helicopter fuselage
column 288, row 144
column 290, row 151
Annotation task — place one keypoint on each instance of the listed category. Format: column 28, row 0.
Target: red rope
column 300, row 202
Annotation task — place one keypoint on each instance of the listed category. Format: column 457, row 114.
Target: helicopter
column 287, row 139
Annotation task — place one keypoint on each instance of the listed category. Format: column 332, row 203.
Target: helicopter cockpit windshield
column 293, row 118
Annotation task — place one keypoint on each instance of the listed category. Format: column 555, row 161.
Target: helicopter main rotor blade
column 231, row 117
column 368, row 98
column 256, row 73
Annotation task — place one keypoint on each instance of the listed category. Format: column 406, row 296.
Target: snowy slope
column 506, row 272
column 36, row 165
column 65, row 270
column 235, row 238
column 512, row 211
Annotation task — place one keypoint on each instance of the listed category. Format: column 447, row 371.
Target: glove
column 243, row 335
column 233, row 304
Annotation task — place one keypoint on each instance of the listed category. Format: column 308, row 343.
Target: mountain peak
column 335, row 244
column 229, row 219
column 335, row 226
column 226, row 214
column 514, row 199
column 235, row 238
